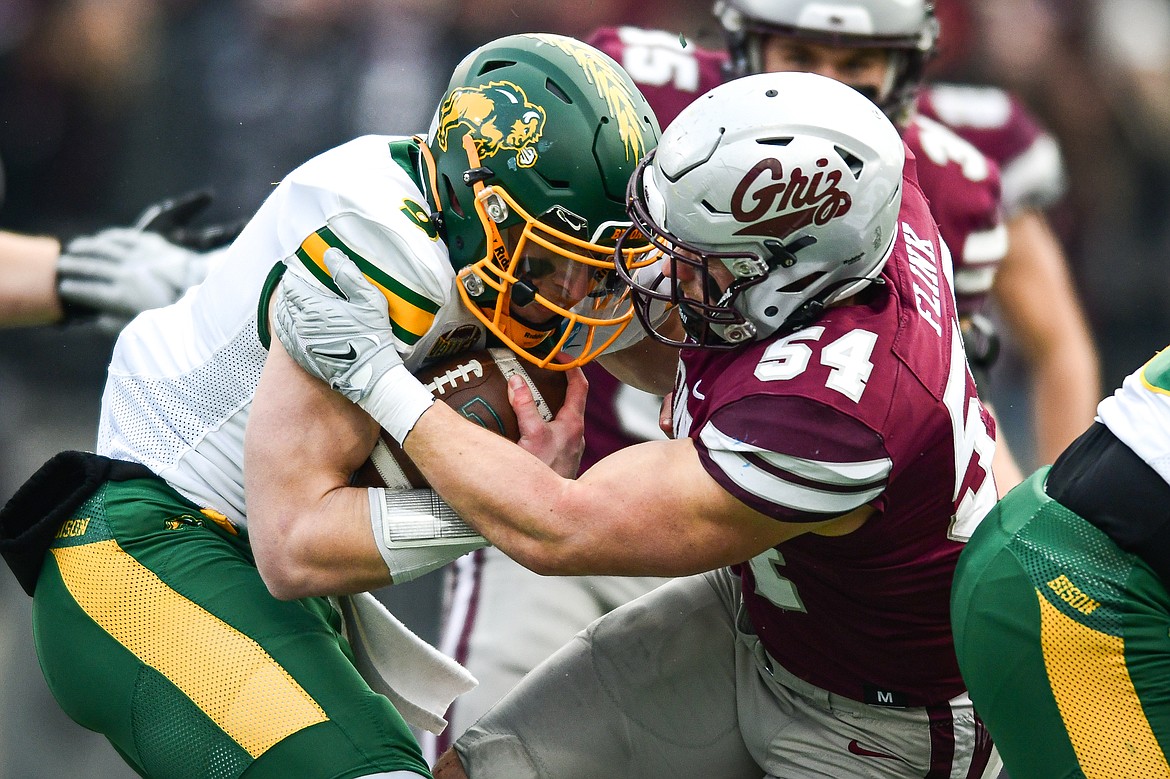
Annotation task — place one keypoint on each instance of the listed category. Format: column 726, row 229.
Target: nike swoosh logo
column 695, row 390
column 858, row 749
column 350, row 355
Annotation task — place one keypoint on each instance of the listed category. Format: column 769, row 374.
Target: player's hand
column 344, row 338
column 560, row 442
column 121, row 272
column 666, row 415
column 118, row 273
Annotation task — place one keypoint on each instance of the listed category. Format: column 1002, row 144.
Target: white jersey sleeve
column 181, row 379
column 391, row 239
column 1138, row 413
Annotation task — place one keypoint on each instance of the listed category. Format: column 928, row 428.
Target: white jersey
column 1138, row 413
column 181, row 379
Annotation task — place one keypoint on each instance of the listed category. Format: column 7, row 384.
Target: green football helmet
column 529, row 155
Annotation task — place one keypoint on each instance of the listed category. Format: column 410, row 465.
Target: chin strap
column 813, row 308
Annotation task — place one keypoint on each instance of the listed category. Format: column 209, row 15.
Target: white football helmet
column 792, row 181
column 908, row 28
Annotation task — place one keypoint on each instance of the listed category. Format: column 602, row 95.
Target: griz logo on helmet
column 799, row 201
column 497, row 116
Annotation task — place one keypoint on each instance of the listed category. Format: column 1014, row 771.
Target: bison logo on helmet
column 497, row 116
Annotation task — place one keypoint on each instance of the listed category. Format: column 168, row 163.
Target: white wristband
column 417, row 532
column 396, row 401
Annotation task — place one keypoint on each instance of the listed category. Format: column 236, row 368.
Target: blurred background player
column 1050, row 330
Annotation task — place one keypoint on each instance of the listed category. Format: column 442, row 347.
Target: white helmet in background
column 792, row 181
column 907, row 28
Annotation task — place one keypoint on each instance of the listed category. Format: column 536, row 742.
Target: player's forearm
column 314, row 545
column 310, row 531
column 28, row 280
column 597, row 524
column 516, row 501
column 1066, row 390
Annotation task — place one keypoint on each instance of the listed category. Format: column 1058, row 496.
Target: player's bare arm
column 597, row 523
column 310, row 531
column 28, row 279
column 1051, row 330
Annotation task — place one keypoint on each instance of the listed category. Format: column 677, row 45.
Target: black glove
column 171, row 219
column 981, row 343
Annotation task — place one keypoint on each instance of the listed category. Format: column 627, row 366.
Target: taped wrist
column 396, row 401
column 417, row 532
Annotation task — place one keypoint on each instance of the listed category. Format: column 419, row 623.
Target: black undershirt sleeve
column 1104, row 481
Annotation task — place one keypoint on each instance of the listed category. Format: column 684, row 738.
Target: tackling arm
column 649, row 509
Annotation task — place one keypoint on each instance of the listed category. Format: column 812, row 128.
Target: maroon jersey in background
column 872, row 404
column 962, row 185
column 1001, row 127
column 670, row 71
column 963, row 188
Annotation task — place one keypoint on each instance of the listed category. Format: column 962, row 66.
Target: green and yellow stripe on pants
column 154, row 628
column 1064, row 642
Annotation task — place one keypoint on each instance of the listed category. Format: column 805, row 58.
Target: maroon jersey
column 670, row 71
column 872, row 404
column 1001, row 127
column 963, row 188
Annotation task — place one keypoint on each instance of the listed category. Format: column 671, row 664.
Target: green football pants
column 1064, row 642
column 154, row 628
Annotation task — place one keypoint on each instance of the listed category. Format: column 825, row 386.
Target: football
column 476, row 385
